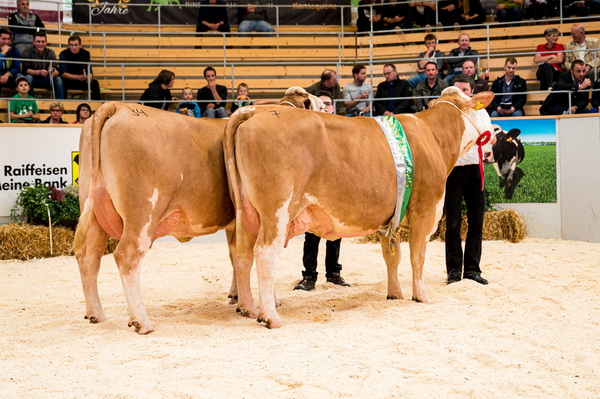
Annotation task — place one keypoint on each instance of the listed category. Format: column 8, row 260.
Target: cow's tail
column 233, row 176
column 85, row 219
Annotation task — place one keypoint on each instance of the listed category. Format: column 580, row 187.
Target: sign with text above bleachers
column 182, row 12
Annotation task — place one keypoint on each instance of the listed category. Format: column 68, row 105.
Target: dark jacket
column 400, row 88
column 213, row 14
column 205, row 94
column 457, row 61
column 422, row 90
column 557, row 103
column 518, row 100
column 29, row 25
column 155, row 92
column 12, row 66
column 596, row 94
column 481, row 84
column 47, row 120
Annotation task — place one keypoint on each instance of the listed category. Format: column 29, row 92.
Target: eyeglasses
column 56, row 110
column 84, row 109
column 328, row 104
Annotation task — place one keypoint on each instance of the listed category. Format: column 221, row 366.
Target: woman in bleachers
column 158, row 93
column 472, row 12
column 549, row 57
column 83, row 113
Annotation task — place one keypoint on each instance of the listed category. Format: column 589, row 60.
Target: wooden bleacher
column 290, row 59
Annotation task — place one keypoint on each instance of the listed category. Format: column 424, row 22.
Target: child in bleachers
column 188, row 107
column 23, row 109
column 243, row 97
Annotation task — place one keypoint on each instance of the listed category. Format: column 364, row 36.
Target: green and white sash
column 396, row 138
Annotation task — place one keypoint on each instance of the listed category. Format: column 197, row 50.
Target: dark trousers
column 547, row 75
column 311, row 251
column 69, row 84
column 464, row 181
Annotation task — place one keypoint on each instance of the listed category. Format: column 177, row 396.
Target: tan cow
column 293, row 171
column 144, row 174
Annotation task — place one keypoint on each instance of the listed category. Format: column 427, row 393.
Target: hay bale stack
column 23, row 242
column 497, row 225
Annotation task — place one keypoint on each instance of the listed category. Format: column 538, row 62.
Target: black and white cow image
column 506, row 154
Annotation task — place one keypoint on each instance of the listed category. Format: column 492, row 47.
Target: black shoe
column 338, row 280
column 305, row 284
column 477, row 278
column 453, row 279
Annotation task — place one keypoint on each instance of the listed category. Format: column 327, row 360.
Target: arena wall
column 575, row 215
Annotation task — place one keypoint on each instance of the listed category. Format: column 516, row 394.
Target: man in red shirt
column 549, row 59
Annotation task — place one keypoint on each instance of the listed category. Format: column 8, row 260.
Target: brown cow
column 144, row 174
column 293, row 171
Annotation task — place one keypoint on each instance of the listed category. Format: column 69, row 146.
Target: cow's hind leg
column 233, row 290
column 90, row 244
column 128, row 255
column 242, row 263
column 391, row 261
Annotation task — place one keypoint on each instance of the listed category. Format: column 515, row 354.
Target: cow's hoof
column 247, row 313
column 422, row 300
column 139, row 328
column 392, row 297
column 233, row 299
column 94, row 319
column 270, row 323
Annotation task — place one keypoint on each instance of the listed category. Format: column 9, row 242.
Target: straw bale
column 23, row 242
column 497, row 225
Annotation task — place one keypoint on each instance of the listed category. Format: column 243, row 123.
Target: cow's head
column 299, row 98
column 476, row 119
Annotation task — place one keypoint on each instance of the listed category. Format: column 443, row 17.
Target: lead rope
column 482, row 140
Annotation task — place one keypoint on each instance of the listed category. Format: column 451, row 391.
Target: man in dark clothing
column 574, row 80
column 328, row 82
column 430, row 88
column 9, row 69
column 459, row 55
column 22, row 24
column 215, row 94
column 252, row 18
column 505, row 103
column 392, row 87
column 212, row 18
column 41, row 68
column 76, row 76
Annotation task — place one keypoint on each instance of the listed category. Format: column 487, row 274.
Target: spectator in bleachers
column 328, row 82
column 43, row 71
column 480, row 83
column 158, row 94
column 596, row 96
column 509, row 10
column 23, row 24
column 242, row 97
column 357, row 92
column 537, row 9
column 471, row 13
column 213, row 18
column 82, row 114
column 431, row 87
column 188, row 106
column 396, row 16
column 549, row 57
column 459, row 55
column 581, row 8
column 431, row 54
column 9, row 69
column 390, row 88
column 216, row 95
column 253, row 19
column 581, row 48
column 422, row 13
column 574, row 80
column 449, row 12
column 368, row 15
column 505, row 103
column 23, row 107
column 76, row 76
column 56, row 112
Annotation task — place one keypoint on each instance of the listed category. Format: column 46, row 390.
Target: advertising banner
column 30, row 156
column 184, row 12
column 524, row 170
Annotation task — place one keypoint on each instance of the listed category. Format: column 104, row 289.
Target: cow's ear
column 481, row 100
column 308, row 104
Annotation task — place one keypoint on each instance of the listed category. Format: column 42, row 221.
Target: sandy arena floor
column 534, row 332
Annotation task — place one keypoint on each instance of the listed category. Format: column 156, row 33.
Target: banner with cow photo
column 183, row 12
column 524, row 162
